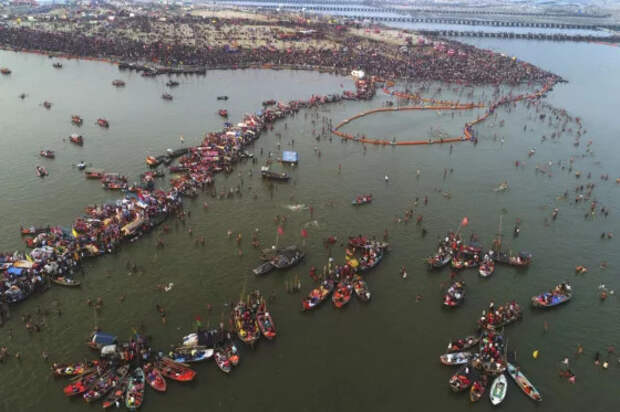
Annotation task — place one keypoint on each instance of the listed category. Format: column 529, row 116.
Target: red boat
column 93, row 173
column 223, row 112
column 342, row 293
column 154, row 378
column 76, row 139
column 103, row 123
column 47, row 153
column 82, row 385
column 76, row 120
column 175, row 371
column 265, row 322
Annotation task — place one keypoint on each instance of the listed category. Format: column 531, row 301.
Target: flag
column 465, row 221
column 304, row 233
column 280, row 230
column 74, row 233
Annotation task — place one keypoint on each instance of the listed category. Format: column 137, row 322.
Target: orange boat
column 342, row 293
column 152, row 161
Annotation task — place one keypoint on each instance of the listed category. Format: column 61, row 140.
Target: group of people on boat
column 495, row 317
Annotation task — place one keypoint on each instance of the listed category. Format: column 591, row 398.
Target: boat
column 439, row 260
column 166, row 96
column 486, row 268
column 523, row 383
column 318, row 295
column 477, row 389
column 245, row 324
column 263, row 269
column 81, row 385
column 188, row 355
column 222, row 361
column 117, row 395
column 287, row 258
column 40, row 171
column 5, row 71
column 342, row 293
column 76, row 120
column 362, row 200
column 118, row 83
column 103, row 123
column 460, row 345
column 270, row 175
column 361, row 288
column 57, row 65
column 372, row 256
column 172, row 83
column 101, row 339
column 81, row 165
column 265, row 321
column 76, row 139
column 65, row 281
column 223, row 112
column 222, row 97
column 32, row 230
column 48, row 154
column 91, row 173
column 269, row 102
column 462, row 379
column 135, row 390
column 47, row 105
column 175, row 371
column 73, row 369
column 523, row 259
column 104, row 384
column 154, row 378
column 498, row 390
column 455, row 358
column 152, row 161
column 562, row 293
column 455, row 294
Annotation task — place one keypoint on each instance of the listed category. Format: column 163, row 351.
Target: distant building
column 29, row 3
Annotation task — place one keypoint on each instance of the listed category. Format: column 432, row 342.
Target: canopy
column 290, row 157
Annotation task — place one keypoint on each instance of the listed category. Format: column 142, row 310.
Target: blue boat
column 562, row 293
column 100, row 339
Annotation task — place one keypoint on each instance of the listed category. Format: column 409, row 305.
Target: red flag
column 304, row 233
column 280, row 230
column 465, row 221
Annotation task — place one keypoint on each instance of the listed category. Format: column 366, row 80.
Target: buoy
column 535, row 354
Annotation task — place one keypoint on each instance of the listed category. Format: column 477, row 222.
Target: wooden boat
column 32, row 230
column 172, row 83
column 263, row 269
column 91, row 173
column 135, row 390
column 81, row 385
column 104, row 384
column 223, row 112
column 57, row 65
column 154, row 378
column 455, row 358
column 48, row 154
column 76, row 120
column 318, row 295
column 462, row 379
column 487, row 268
column 362, row 200
column 47, row 105
column 268, row 174
column 166, row 96
column 368, row 262
column 189, row 355
column 270, row 102
column 117, row 395
column 40, row 171
column 342, row 293
column 523, row 383
column 118, row 83
column 76, row 139
column 64, row 281
column 287, row 258
column 265, row 322
column 460, row 345
column 439, row 260
column 455, row 295
column 152, row 161
column 523, row 259
column 361, row 288
column 222, row 361
column 498, row 390
column 5, row 71
column 561, row 294
column 72, row 369
column 175, row 371
column 245, row 324
column 222, row 97
column 477, row 389
column 103, row 123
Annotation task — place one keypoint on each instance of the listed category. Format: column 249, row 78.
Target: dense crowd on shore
column 424, row 60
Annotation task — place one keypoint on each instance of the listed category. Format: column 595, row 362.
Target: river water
column 379, row 356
